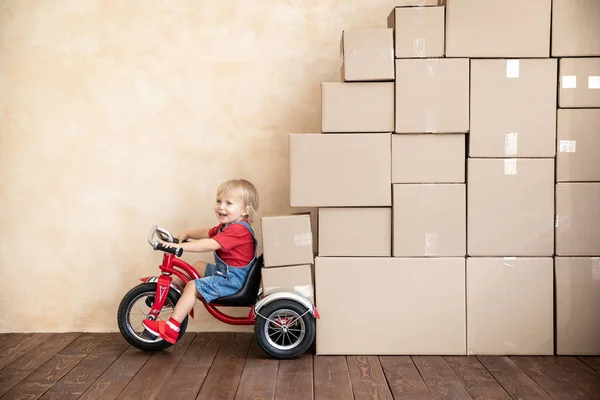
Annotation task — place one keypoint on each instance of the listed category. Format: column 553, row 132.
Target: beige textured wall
column 117, row 115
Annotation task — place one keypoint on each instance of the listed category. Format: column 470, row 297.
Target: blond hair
column 245, row 190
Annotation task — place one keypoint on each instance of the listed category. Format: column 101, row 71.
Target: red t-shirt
column 237, row 244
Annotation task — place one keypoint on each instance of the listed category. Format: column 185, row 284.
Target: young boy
column 234, row 246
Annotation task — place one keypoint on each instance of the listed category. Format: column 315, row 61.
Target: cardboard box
column 498, row 28
column 578, row 145
column 577, row 304
column 513, row 108
column 287, row 240
column 357, row 107
column 578, row 219
column 295, row 279
column 368, row 55
column 346, row 170
column 430, row 220
column 419, row 306
column 427, row 158
column 418, row 31
column 510, row 306
column 575, row 28
column 510, row 207
column 370, row 235
column 432, row 95
column 579, row 82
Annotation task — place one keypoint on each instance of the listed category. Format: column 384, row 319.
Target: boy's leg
column 186, row 302
column 200, row 266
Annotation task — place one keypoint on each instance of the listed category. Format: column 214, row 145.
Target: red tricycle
column 284, row 322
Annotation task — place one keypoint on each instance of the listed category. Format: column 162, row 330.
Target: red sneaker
column 168, row 330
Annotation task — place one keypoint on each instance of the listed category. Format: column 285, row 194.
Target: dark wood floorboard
column 223, row 365
column 550, row 379
column 476, row 379
column 512, row 378
column 331, row 378
column 43, row 378
column 21, row 368
column 439, row 378
column 295, row 379
column 367, row 377
column 404, row 379
column 80, row 378
column 259, row 377
column 578, row 372
column 226, row 371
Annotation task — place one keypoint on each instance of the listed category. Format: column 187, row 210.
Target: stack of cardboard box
column 435, row 176
column 576, row 44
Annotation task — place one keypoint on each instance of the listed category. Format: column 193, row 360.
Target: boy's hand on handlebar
column 183, row 236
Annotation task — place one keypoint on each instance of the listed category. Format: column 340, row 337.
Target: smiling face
column 230, row 207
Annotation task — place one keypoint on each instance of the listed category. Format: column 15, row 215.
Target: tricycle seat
column 246, row 297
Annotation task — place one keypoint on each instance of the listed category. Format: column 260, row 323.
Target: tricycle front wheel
column 285, row 329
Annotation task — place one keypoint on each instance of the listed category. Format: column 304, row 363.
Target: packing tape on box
column 419, row 47
column 431, row 240
column 430, row 122
column 568, row 81
column 303, row 239
column 510, row 166
column 567, row 146
column 507, row 261
column 510, row 144
column 562, row 221
column 593, row 82
column 596, row 268
column 512, row 68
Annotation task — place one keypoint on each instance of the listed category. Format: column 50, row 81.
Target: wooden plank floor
column 232, row 366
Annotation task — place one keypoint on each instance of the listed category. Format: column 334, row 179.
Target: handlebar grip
column 178, row 251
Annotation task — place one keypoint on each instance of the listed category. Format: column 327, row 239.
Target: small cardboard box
column 577, row 304
column 294, row 279
column 287, row 240
column 368, row 55
column 579, row 82
column 342, row 170
column 428, row 158
column 510, row 306
column 575, row 28
column 498, row 28
column 513, row 108
column 430, row 220
column 357, row 107
column 370, row 235
column 510, row 207
column 418, row 31
column 419, row 307
column 578, row 145
column 432, row 95
column 578, row 219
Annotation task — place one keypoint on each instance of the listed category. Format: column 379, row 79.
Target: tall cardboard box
column 428, row 158
column 432, row 95
column 295, row 279
column 498, row 28
column 287, row 240
column 510, row 306
column 430, row 220
column 418, row 31
column 357, row 107
column 575, row 28
column 369, row 236
column 577, row 304
column 579, row 82
column 578, row 133
column 368, row 55
column 345, row 170
column 510, row 207
column 513, row 108
column 578, row 219
column 419, row 306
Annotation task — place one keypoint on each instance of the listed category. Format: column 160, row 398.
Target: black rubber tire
column 300, row 348
column 122, row 317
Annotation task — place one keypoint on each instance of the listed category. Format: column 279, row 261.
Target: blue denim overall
column 221, row 280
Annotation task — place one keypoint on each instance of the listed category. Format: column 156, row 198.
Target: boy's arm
column 196, row 234
column 197, row 246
